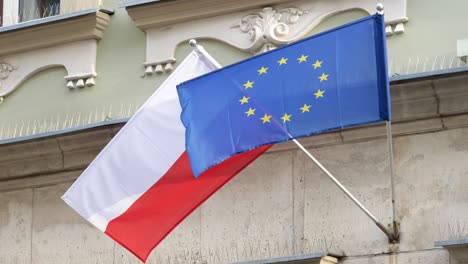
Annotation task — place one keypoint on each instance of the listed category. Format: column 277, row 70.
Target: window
column 1, row 13
column 35, row 9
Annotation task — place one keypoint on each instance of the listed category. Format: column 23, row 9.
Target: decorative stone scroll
column 5, row 70
column 269, row 28
column 251, row 26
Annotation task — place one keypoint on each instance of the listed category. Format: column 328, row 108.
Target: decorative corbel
column 68, row 41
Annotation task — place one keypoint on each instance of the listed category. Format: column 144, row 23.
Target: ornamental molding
column 68, row 41
column 269, row 28
column 250, row 26
column 5, row 70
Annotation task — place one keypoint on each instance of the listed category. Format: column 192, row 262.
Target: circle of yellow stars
column 281, row 62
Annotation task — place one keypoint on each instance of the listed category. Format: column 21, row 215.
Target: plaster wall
column 433, row 29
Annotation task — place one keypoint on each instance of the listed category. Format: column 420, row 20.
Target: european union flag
column 329, row 81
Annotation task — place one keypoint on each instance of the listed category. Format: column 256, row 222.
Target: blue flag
column 329, row 81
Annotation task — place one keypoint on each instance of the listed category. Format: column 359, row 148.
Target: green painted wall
column 432, row 30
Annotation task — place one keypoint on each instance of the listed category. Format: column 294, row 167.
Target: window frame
column 10, row 12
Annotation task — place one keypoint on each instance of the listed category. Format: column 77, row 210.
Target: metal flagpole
column 396, row 231
column 364, row 209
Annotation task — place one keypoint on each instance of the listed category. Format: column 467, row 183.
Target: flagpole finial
column 380, row 8
column 193, row 43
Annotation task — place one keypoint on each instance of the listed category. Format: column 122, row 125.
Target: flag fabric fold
column 333, row 80
column 140, row 187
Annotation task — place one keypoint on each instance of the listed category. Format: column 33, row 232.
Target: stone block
column 417, row 126
column 455, row 121
column 299, row 174
column 182, row 245
column 412, row 90
column 15, row 226
column 252, row 216
column 28, row 149
column 30, row 166
column 60, row 235
column 80, row 149
column 35, row 157
column 39, row 181
column 453, row 94
column 431, row 186
column 413, row 101
column 332, row 222
column 80, row 159
column 91, row 139
column 364, row 132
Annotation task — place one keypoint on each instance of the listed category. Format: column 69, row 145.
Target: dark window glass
column 35, row 9
column 1, row 13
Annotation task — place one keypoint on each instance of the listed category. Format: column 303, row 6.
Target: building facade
column 73, row 72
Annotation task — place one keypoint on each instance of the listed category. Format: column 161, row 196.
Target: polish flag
column 140, row 187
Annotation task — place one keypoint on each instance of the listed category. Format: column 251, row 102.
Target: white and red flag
column 141, row 186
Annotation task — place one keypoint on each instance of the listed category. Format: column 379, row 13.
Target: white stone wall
column 281, row 205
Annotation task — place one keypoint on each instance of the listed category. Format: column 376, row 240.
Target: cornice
column 47, row 32
column 418, row 106
column 156, row 13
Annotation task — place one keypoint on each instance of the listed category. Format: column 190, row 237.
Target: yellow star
column 250, row 112
column 248, row 84
column 317, row 64
column 324, row 77
column 244, row 100
column 305, row 108
column 319, row 94
column 283, row 61
column 286, row 118
column 263, row 70
column 302, row 59
column 266, row 118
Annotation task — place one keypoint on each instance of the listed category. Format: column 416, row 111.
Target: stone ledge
column 150, row 14
column 39, row 180
column 75, row 150
column 458, row 249
column 83, row 25
column 314, row 258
